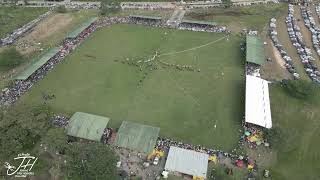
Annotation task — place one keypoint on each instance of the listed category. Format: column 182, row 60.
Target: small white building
column 187, row 162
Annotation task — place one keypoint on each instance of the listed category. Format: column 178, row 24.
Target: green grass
column 185, row 105
column 165, row 14
column 218, row 171
column 299, row 155
column 254, row 17
column 52, row 40
column 12, row 18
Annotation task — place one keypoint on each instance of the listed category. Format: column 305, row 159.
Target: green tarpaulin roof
column 254, row 50
column 37, row 64
column 146, row 17
column 87, row 126
column 199, row 22
column 81, row 27
column 138, row 137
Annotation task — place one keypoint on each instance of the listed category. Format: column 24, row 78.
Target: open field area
column 237, row 18
column 48, row 33
column 162, row 87
column 14, row 17
column 298, row 157
column 185, row 105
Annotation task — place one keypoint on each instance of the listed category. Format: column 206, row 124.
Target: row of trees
column 22, row 129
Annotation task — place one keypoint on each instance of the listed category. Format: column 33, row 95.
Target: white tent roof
column 257, row 102
column 187, row 162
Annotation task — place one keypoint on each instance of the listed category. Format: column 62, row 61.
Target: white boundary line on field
column 193, row 48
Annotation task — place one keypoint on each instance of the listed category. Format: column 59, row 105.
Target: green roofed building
column 81, row 27
column 254, row 50
column 138, row 137
column 199, row 22
column 146, row 17
column 37, row 63
column 87, row 126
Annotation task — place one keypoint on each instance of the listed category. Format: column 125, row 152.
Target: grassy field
column 165, row 14
column 237, row 18
column 49, row 33
column 185, row 105
column 12, row 18
column 299, row 156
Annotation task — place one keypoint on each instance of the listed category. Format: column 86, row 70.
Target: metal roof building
column 257, row 102
column 138, row 137
column 33, row 67
column 81, row 27
column 254, row 50
column 187, row 162
column 87, row 126
column 146, row 17
column 199, row 22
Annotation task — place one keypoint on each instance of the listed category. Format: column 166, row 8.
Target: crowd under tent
column 199, row 22
column 37, row 63
column 81, row 27
column 87, row 126
column 187, row 162
column 257, row 102
column 254, row 50
column 137, row 137
column 145, row 17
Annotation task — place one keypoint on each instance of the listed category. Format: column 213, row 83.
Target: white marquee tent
column 257, row 102
column 187, row 162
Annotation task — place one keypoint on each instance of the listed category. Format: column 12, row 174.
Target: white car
column 156, row 160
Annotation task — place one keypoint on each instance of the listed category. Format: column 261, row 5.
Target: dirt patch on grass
column 47, row 28
column 50, row 26
column 278, row 57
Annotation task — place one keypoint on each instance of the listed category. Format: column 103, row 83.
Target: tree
column 90, row 161
column 108, row 7
column 275, row 136
column 10, row 58
column 56, row 140
column 300, row 89
column 61, row 9
column 227, row 3
column 21, row 128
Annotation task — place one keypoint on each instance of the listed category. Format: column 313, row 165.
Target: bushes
column 275, row 136
column 90, row 161
column 61, row 9
column 56, row 140
column 21, row 128
column 109, row 7
column 10, row 58
column 300, row 89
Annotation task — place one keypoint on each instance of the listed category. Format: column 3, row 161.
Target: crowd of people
column 164, row 144
column 60, row 120
column 274, row 37
column 19, row 87
column 17, row 33
column 147, row 5
column 203, row 27
column 304, row 52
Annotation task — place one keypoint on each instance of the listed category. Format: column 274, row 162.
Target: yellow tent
column 197, row 178
column 213, row 159
column 155, row 153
